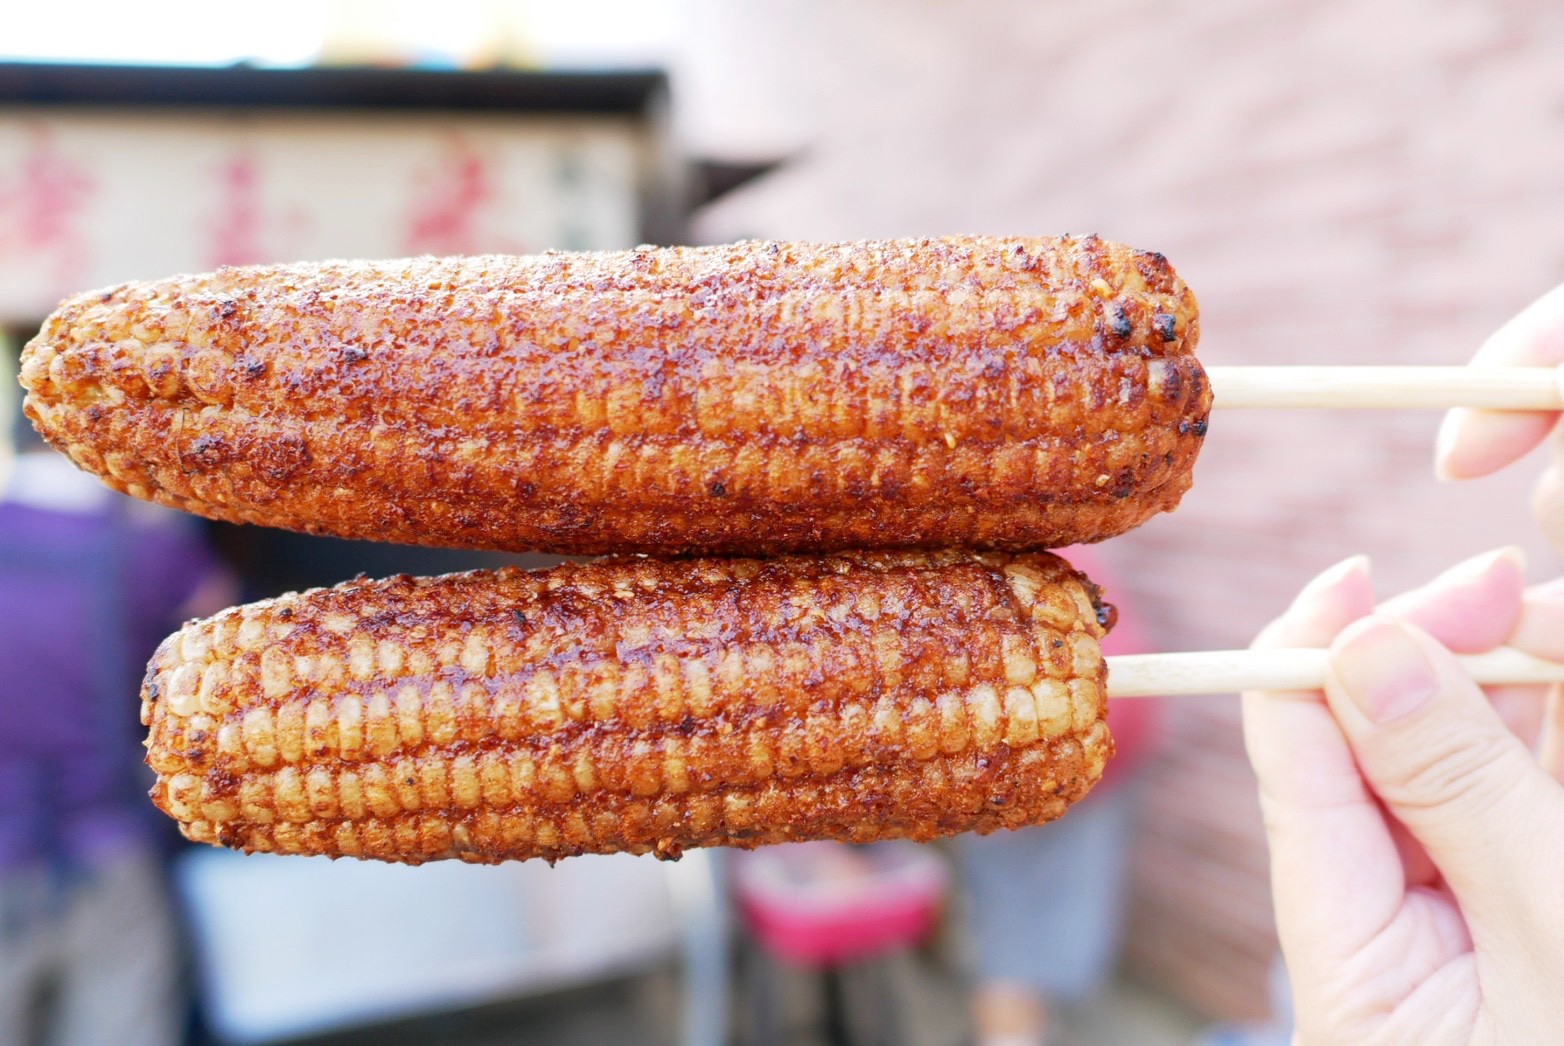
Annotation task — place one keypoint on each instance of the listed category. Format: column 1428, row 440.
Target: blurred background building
column 1374, row 181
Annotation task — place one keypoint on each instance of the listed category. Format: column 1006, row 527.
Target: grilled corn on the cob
column 636, row 706
column 748, row 399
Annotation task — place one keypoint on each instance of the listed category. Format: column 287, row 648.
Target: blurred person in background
column 1047, row 903
column 89, row 583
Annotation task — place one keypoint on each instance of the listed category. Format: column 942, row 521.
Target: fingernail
column 1480, row 566
column 1383, row 669
column 1450, row 431
column 1330, row 578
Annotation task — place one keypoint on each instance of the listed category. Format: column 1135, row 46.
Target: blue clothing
column 88, row 586
column 1048, row 901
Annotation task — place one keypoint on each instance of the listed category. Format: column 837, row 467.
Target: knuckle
column 1473, row 772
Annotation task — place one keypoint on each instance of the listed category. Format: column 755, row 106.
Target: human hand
column 1474, row 443
column 1416, row 837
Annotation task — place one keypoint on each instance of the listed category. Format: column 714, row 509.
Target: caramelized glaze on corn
column 748, row 399
column 635, row 706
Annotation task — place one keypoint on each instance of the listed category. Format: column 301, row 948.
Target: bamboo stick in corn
column 755, row 399
column 637, row 706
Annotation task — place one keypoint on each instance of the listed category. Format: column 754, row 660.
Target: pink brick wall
column 1369, row 181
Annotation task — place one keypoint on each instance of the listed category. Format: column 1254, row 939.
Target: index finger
column 1474, row 443
column 1336, row 873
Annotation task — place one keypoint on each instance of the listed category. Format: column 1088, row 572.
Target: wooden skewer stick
column 1229, row 671
column 1497, row 388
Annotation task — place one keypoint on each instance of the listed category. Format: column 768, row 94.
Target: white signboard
column 89, row 199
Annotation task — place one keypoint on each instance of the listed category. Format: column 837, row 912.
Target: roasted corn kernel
column 637, row 706
column 750, row 399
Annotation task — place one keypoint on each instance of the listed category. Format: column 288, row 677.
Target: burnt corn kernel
column 1120, row 322
column 1167, row 325
column 648, row 707
column 911, row 393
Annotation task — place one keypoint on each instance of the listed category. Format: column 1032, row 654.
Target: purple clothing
column 88, row 586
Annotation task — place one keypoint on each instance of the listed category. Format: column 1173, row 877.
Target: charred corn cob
column 749, row 399
column 637, row 706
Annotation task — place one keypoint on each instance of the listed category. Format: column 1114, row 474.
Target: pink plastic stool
column 825, row 904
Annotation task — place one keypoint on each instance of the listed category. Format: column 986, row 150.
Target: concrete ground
column 1133, row 1013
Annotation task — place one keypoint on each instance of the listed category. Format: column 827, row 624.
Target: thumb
column 1437, row 755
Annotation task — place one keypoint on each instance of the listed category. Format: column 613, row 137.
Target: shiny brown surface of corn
column 636, row 706
column 754, row 399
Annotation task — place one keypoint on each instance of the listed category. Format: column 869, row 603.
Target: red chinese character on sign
column 236, row 233
column 244, row 231
column 41, row 203
column 444, row 215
